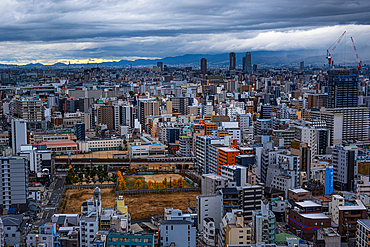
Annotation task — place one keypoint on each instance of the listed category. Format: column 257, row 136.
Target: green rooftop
column 281, row 237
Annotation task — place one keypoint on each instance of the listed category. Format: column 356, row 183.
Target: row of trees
column 175, row 183
column 88, row 174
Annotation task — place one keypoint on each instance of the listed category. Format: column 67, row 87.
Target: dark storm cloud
column 107, row 28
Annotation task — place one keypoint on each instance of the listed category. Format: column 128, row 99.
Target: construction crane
column 354, row 47
column 332, row 47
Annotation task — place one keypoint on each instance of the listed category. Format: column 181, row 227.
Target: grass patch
column 131, row 180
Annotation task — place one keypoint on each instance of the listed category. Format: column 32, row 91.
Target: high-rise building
column 160, row 65
column 80, row 131
column 147, row 107
column 203, row 66
column 14, row 183
column 343, row 88
column 247, row 63
column 186, row 146
column 232, row 64
column 301, row 66
column 344, row 163
column 234, row 231
column 344, row 124
column 18, row 134
column 30, row 110
column 317, row 100
column 39, row 159
column 264, row 224
column 106, row 116
column 126, row 116
column 181, row 105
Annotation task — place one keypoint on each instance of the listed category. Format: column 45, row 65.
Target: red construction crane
column 354, row 47
column 331, row 48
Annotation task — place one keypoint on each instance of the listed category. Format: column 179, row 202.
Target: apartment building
column 31, row 110
column 14, row 183
column 363, row 233
column 264, row 224
column 233, row 230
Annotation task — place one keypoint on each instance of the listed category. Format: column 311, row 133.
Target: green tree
column 87, row 179
column 80, row 177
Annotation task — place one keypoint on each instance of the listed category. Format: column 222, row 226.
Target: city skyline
column 63, row 31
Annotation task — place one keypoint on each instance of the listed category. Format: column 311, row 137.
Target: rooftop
column 59, row 143
column 306, row 204
column 359, row 206
column 300, row 190
column 315, row 216
column 364, row 222
column 175, row 222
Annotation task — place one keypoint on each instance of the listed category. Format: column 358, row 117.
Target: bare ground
column 139, row 206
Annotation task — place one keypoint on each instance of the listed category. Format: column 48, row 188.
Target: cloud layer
column 50, row 30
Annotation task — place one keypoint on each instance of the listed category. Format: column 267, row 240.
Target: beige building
column 100, row 145
column 30, row 109
column 233, row 230
column 363, row 187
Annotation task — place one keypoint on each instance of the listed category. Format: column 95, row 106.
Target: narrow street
column 50, row 207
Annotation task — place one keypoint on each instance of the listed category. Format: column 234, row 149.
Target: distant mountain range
column 261, row 58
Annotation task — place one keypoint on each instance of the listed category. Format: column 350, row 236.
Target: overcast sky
column 61, row 30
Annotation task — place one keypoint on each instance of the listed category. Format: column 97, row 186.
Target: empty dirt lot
column 139, row 206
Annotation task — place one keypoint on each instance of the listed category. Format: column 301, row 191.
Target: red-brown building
column 173, row 148
column 305, row 218
column 298, row 195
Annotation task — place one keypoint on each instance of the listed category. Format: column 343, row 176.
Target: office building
column 18, row 134
column 203, row 66
column 232, row 63
column 343, row 88
column 14, row 183
column 247, row 63
column 160, row 65
column 344, row 163
column 80, row 132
